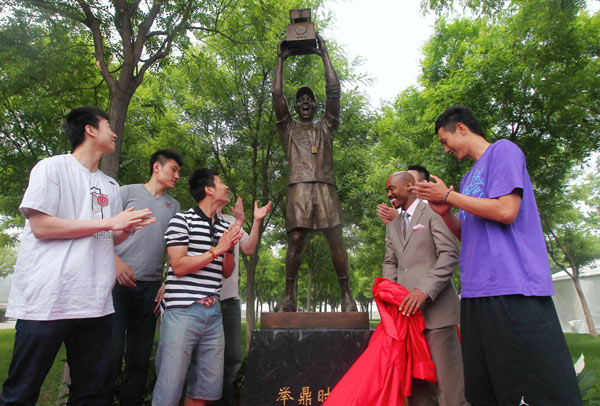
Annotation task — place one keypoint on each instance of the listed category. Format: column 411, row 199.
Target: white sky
column 389, row 36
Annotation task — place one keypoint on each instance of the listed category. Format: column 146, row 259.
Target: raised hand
column 229, row 238
column 386, row 213
column 238, row 212
column 261, row 212
column 283, row 51
column 131, row 220
column 322, row 48
column 432, row 191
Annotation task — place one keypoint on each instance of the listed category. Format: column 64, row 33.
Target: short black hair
column 423, row 173
column 76, row 121
column 200, row 179
column 163, row 155
column 458, row 114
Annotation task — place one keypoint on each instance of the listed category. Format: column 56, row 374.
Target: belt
column 208, row 301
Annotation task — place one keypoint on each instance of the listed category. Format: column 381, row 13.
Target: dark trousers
column 232, row 326
column 87, row 342
column 514, row 352
column 133, row 334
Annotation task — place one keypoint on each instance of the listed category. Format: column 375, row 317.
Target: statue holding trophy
column 312, row 201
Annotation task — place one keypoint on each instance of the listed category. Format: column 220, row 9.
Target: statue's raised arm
column 332, row 82
column 279, row 103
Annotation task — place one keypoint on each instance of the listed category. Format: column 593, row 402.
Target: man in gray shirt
column 139, row 269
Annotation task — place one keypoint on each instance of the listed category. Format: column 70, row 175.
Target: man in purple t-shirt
column 514, row 351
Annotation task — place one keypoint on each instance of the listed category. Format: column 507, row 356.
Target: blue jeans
column 133, row 334
column 232, row 326
column 191, row 344
column 36, row 344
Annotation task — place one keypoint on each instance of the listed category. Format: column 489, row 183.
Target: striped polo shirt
column 194, row 230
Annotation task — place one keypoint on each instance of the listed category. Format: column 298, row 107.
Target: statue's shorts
column 313, row 205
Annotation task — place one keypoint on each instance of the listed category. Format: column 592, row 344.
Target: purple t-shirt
column 499, row 259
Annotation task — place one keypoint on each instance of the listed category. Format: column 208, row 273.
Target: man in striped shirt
column 200, row 249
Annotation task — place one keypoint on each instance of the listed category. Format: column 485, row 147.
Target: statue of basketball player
column 312, row 200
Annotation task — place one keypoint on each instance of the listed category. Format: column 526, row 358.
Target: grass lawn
column 590, row 347
column 49, row 392
column 577, row 343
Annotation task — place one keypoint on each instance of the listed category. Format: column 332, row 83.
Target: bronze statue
column 312, row 200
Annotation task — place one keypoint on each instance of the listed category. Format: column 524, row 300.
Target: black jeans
column 232, row 326
column 87, row 342
column 133, row 334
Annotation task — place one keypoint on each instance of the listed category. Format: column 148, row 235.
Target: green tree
column 530, row 75
column 269, row 283
column 45, row 70
column 8, row 258
column 572, row 235
column 129, row 38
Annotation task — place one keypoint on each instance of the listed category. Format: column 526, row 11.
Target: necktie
column 405, row 221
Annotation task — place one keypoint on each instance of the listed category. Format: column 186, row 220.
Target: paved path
column 7, row 324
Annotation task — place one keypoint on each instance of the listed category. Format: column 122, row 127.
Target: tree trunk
column 586, row 309
column 117, row 110
column 308, row 291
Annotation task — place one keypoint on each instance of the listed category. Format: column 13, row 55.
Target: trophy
column 300, row 34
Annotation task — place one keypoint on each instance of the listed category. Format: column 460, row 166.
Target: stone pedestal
column 295, row 360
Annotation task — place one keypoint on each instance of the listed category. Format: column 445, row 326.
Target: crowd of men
column 90, row 268
column 89, row 274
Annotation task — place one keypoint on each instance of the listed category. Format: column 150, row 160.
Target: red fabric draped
column 397, row 352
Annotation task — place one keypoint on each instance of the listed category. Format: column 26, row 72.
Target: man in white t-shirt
column 61, row 290
column 230, row 299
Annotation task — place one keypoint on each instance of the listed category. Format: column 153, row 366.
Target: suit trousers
column 449, row 389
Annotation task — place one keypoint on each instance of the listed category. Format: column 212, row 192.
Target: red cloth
column 397, row 352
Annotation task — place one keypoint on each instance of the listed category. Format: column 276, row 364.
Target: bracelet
column 129, row 232
column 446, row 198
column 212, row 252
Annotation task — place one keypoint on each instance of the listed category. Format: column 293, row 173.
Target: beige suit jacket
column 425, row 260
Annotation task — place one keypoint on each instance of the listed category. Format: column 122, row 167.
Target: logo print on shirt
column 99, row 202
column 169, row 206
column 476, row 189
column 523, row 402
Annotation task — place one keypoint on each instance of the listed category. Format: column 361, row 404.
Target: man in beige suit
column 421, row 255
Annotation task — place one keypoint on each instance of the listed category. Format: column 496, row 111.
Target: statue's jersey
column 309, row 149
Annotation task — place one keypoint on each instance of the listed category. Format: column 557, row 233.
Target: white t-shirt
column 65, row 278
column 231, row 285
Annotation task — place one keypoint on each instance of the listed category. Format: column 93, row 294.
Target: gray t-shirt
column 145, row 250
